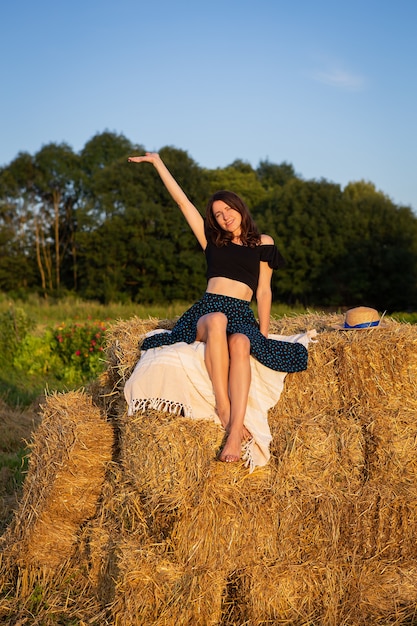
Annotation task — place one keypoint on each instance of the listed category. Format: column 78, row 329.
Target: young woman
column 240, row 261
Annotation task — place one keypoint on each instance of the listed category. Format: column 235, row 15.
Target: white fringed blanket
column 175, row 379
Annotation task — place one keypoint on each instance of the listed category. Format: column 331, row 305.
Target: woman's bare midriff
column 228, row 287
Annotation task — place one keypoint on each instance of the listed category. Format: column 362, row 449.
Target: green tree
column 56, row 188
column 342, row 248
column 17, row 260
column 380, row 268
column 304, row 218
column 38, row 196
column 143, row 247
column 241, row 178
column 108, row 229
column 272, row 175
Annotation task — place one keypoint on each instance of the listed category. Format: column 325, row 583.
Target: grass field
column 50, row 312
column 45, row 312
column 69, row 309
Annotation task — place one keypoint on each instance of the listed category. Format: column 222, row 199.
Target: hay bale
column 154, row 589
column 385, row 591
column 67, row 468
column 383, row 522
column 120, row 516
column 123, row 346
column 152, row 442
column 122, row 353
column 222, row 530
column 41, row 597
column 377, row 381
column 305, row 593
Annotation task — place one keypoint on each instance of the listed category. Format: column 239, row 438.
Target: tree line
column 91, row 224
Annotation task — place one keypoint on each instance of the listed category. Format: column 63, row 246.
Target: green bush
column 407, row 318
column 71, row 354
column 14, row 326
column 35, row 355
column 80, row 348
column 14, row 466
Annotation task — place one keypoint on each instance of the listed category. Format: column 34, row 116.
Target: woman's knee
column 212, row 323
column 239, row 345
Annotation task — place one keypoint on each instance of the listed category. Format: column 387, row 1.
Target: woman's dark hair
column 250, row 236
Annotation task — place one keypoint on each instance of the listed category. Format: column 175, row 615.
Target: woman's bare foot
column 232, row 450
column 224, row 417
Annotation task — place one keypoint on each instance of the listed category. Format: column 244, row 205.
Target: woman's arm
column 190, row 212
column 264, row 292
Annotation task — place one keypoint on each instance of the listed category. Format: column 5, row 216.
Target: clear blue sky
column 329, row 86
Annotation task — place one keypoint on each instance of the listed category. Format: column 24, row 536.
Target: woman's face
column 227, row 218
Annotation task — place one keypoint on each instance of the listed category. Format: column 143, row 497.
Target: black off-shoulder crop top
column 241, row 262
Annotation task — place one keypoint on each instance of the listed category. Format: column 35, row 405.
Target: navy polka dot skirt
column 281, row 356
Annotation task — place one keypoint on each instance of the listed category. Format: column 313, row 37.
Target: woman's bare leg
column 239, row 383
column 211, row 329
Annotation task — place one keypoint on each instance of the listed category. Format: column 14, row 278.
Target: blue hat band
column 364, row 325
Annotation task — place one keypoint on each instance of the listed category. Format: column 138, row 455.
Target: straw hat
column 360, row 318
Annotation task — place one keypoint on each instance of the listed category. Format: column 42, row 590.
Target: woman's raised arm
column 188, row 209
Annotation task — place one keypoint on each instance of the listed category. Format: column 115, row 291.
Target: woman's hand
column 148, row 157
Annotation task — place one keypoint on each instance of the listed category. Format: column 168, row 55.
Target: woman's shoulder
column 270, row 253
column 266, row 240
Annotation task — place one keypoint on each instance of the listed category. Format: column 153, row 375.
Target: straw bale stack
column 291, row 541
column 323, row 535
column 67, row 468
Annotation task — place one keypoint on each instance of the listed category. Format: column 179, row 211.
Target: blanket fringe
column 138, row 405
column 247, row 456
